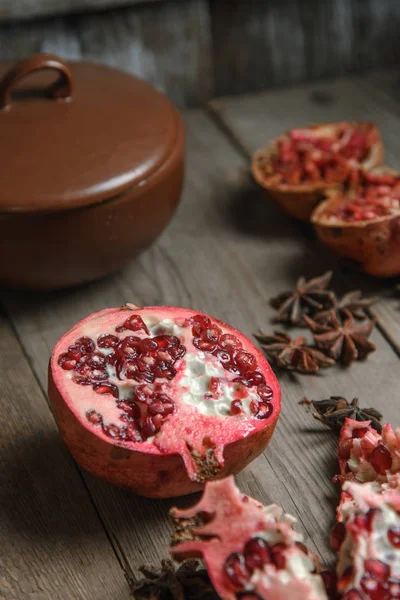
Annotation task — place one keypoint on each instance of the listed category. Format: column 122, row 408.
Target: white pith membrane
column 370, row 542
column 234, row 520
column 202, row 416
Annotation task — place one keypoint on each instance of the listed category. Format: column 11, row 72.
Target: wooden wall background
column 196, row 49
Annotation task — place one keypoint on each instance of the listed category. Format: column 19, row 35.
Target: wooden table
column 64, row 534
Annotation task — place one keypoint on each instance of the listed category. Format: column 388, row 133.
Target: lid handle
column 62, row 88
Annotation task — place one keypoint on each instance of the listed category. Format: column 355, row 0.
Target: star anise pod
column 335, row 410
column 307, row 298
column 353, row 302
column 343, row 340
column 188, row 582
column 293, row 354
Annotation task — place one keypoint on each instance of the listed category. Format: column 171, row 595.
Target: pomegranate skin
column 150, row 472
column 299, row 200
column 373, row 245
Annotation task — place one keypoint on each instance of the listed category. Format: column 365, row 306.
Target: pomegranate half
column 297, row 167
column 161, row 399
column 363, row 223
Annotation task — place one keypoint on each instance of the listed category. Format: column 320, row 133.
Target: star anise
column 335, row 410
column 293, row 354
column 353, row 302
column 343, row 340
column 308, row 297
column 188, row 582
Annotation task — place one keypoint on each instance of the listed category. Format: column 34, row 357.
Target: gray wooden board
column 226, row 252
column 53, row 544
column 254, row 119
column 166, row 43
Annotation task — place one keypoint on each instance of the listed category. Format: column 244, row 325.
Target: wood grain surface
column 227, row 251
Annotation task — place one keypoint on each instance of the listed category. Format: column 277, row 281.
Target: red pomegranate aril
column 277, row 555
column 223, row 357
column 148, row 428
column 177, row 352
column 112, row 430
column 344, row 449
column 214, row 385
column 254, row 378
column 94, row 417
column 133, row 323
column 81, row 380
column 146, row 376
column 230, row 343
column 203, row 345
column 148, row 345
column 377, row 570
column 338, row 533
column 261, row 410
column 84, row 345
column 106, row 388
column 161, row 405
column 381, row 459
column 107, row 340
column 264, row 392
column 236, row 407
column 133, row 433
column 66, row 361
column 256, row 554
column 394, row 537
column 211, row 334
column 352, row 595
column 236, row 571
column 246, row 361
column 360, row 432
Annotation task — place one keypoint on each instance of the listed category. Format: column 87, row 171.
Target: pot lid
column 75, row 134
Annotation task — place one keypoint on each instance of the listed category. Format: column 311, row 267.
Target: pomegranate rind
column 368, row 520
column 221, row 524
column 374, row 244
column 300, row 200
column 168, row 468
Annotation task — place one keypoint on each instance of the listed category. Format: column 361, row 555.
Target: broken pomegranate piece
column 250, row 551
column 368, row 456
column 297, row 167
column 161, row 399
column 362, row 223
column 369, row 556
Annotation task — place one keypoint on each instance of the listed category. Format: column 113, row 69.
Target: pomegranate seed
column 81, row 380
column 111, row 430
column 352, row 595
column 245, row 361
column 74, row 353
column 106, row 388
column 145, row 376
column 130, row 409
column 107, row 340
column 214, row 385
column 144, row 393
column 235, row 569
column 211, row 334
column 133, row 323
column 202, row 320
column 265, row 392
column 91, row 373
column 148, row 345
column 277, row 556
column 162, row 405
column 254, row 378
column 146, row 362
column 381, row 459
column 261, row 410
column 233, row 369
column 377, row 570
column 94, row 417
column 96, row 360
column 345, row 579
column 223, row 357
column 204, row 346
column 230, row 342
column 177, row 352
column 256, row 554
column 66, row 362
column 85, row 345
column 148, row 428
column 236, row 407
column 132, row 433
column 394, row 536
column 338, row 533
column 344, row 448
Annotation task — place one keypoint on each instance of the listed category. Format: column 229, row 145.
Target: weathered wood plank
column 30, row 9
column 167, row 43
column 254, row 119
column 53, row 545
column 226, row 252
column 259, row 45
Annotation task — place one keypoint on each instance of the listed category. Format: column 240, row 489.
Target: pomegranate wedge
column 369, row 555
column 250, row 551
column 363, row 223
column 296, row 168
column 160, row 400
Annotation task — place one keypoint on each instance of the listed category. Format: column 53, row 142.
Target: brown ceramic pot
column 92, row 164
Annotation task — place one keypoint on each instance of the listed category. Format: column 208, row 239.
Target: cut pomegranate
column 154, row 412
column 363, row 223
column 369, row 563
column 296, row 168
column 250, row 551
